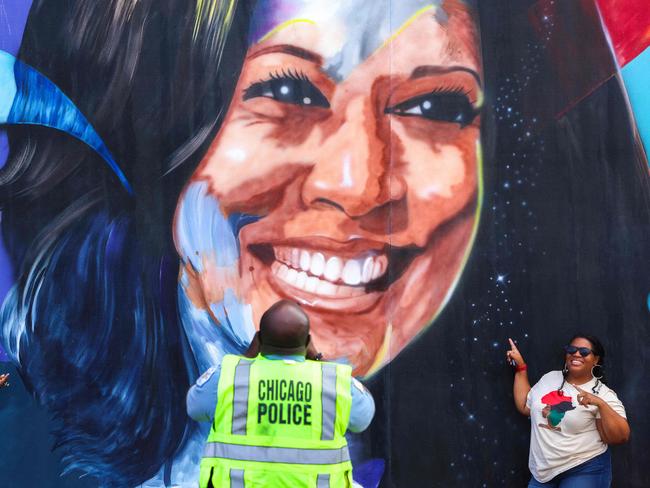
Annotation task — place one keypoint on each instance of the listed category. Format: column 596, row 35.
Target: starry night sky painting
column 426, row 177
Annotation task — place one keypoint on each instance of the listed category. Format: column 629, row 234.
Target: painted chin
column 327, row 276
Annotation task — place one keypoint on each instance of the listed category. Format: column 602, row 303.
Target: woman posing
column 574, row 417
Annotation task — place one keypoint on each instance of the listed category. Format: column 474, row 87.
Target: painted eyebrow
column 422, row 71
column 291, row 50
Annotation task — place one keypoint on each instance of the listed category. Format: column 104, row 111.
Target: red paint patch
column 628, row 24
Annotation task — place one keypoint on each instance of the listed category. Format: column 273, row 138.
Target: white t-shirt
column 563, row 433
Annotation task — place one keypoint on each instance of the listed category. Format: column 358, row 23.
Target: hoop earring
column 601, row 371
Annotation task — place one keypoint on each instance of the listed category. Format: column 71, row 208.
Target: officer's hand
column 4, row 380
column 312, row 352
column 254, row 347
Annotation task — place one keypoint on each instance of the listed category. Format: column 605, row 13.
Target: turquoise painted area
column 8, row 84
column 636, row 76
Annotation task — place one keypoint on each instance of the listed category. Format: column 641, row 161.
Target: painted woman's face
column 349, row 182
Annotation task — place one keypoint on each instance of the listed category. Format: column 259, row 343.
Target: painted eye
column 291, row 88
column 438, row 106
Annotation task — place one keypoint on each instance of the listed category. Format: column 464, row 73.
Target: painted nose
column 352, row 170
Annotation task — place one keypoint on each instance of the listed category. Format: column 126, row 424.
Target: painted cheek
column 239, row 162
column 440, row 179
column 432, row 169
column 227, row 162
column 249, row 167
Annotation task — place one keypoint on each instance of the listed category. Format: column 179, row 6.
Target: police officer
column 280, row 417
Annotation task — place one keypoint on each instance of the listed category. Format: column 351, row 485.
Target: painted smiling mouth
column 326, row 274
column 576, row 362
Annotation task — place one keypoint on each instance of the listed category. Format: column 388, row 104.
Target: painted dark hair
column 598, row 350
column 96, row 271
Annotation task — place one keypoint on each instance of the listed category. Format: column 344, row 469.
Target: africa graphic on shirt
column 556, row 406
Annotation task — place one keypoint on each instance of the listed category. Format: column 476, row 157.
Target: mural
column 426, row 177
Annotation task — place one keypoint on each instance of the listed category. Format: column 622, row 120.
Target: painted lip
column 327, row 274
column 576, row 362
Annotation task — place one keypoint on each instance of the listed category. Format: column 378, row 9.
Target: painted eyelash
column 283, row 74
column 291, row 74
column 287, row 73
column 452, row 89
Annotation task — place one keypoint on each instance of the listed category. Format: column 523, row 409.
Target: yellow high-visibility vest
column 279, row 423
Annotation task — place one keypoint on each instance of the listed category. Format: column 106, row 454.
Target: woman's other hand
column 585, row 398
column 513, row 355
column 612, row 427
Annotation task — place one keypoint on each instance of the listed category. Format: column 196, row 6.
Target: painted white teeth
column 376, row 270
column 366, row 273
column 305, row 260
column 326, row 288
column 311, row 284
column 292, row 276
column 317, row 264
column 317, row 273
column 295, row 257
column 333, row 269
column 351, row 272
column 301, row 279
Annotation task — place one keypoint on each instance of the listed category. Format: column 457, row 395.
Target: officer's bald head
column 284, row 329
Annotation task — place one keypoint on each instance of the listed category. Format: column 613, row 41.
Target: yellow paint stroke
column 408, row 22
column 284, row 25
column 210, row 7
column 379, row 360
column 480, row 100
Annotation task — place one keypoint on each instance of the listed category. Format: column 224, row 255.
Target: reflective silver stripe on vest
column 285, row 455
column 240, row 397
column 323, row 481
column 236, row 478
column 328, row 399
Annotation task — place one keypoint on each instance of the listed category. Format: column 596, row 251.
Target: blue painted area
column 27, row 456
column 636, row 76
column 203, row 231
column 369, row 473
column 234, row 319
column 239, row 220
column 38, row 101
column 14, row 14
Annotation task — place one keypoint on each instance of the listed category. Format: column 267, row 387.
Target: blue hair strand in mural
column 29, row 98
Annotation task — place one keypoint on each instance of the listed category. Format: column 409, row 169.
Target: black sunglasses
column 584, row 351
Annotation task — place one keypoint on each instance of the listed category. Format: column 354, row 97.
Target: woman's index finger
column 512, row 343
